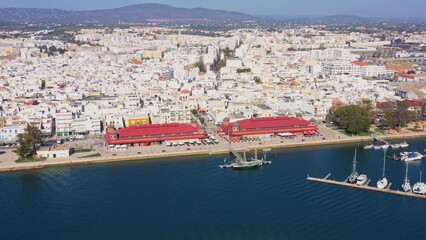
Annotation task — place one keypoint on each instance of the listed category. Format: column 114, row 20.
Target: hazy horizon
column 364, row 8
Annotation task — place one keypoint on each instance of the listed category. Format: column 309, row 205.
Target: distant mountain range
column 141, row 13
column 344, row 18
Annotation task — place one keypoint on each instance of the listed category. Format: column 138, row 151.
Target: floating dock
column 365, row 187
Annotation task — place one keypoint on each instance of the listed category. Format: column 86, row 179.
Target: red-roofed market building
column 145, row 135
column 270, row 126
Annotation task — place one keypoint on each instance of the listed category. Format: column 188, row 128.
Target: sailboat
column 242, row 164
column 352, row 178
column 420, row 187
column 383, row 182
column 406, row 187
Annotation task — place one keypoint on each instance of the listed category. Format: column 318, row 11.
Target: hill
column 141, row 13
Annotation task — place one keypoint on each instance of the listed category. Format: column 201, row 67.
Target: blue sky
column 366, row 8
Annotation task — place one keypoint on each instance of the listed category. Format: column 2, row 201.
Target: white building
column 64, row 121
column 54, row 152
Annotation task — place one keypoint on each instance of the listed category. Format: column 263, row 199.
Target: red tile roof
column 361, row 64
column 156, row 129
column 406, row 76
column 271, row 122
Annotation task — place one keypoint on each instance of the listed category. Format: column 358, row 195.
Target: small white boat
column 394, row 146
column 368, row 146
column 404, row 144
column 386, row 146
column 377, row 147
column 411, row 156
column 361, row 180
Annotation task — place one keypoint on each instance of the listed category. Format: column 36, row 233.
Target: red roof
column 361, row 64
column 406, row 76
column 272, row 122
column 156, row 129
column 414, row 103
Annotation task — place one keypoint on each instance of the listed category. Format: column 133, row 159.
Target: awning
column 286, row 134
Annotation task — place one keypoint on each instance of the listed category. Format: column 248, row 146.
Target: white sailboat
column 406, row 187
column 420, row 187
column 383, row 182
column 353, row 177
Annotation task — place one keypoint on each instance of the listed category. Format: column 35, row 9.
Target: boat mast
column 384, row 162
column 406, row 171
column 255, row 153
column 354, row 163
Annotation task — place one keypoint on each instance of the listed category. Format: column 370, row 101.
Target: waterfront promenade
column 328, row 137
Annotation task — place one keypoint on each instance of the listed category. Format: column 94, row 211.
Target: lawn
column 361, row 134
column 92, row 155
column 25, row 160
column 379, row 130
column 82, row 150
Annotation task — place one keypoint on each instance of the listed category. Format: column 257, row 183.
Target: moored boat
column 404, row 144
column 406, row 186
column 352, row 178
column 420, row 187
column 361, row 180
column 368, row 146
column 383, row 182
column 411, row 156
column 394, row 146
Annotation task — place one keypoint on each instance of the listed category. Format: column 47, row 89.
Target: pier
column 235, row 153
column 365, row 187
column 377, row 138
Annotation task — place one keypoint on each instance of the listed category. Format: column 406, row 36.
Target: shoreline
column 59, row 163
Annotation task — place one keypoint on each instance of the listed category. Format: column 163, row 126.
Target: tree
column 194, row 112
column 28, row 141
column 201, row 66
column 227, row 52
column 52, row 49
column 257, row 79
column 402, row 114
column 202, row 120
column 389, row 118
column 353, row 118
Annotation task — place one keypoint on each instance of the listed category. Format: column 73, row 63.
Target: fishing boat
column 361, row 180
column 383, row 182
column 411, row 156
column 404, row 144
column 368, row 146
column 406, row 186
column 420, row 187
column 353, row 177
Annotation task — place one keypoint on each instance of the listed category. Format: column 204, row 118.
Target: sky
column 365, row 8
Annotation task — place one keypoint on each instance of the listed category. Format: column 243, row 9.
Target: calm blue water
column 192, row 198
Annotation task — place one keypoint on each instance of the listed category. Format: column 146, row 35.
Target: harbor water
column 192, row 198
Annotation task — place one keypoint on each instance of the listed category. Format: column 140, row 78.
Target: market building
column 145, row 135
column 267, row 127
